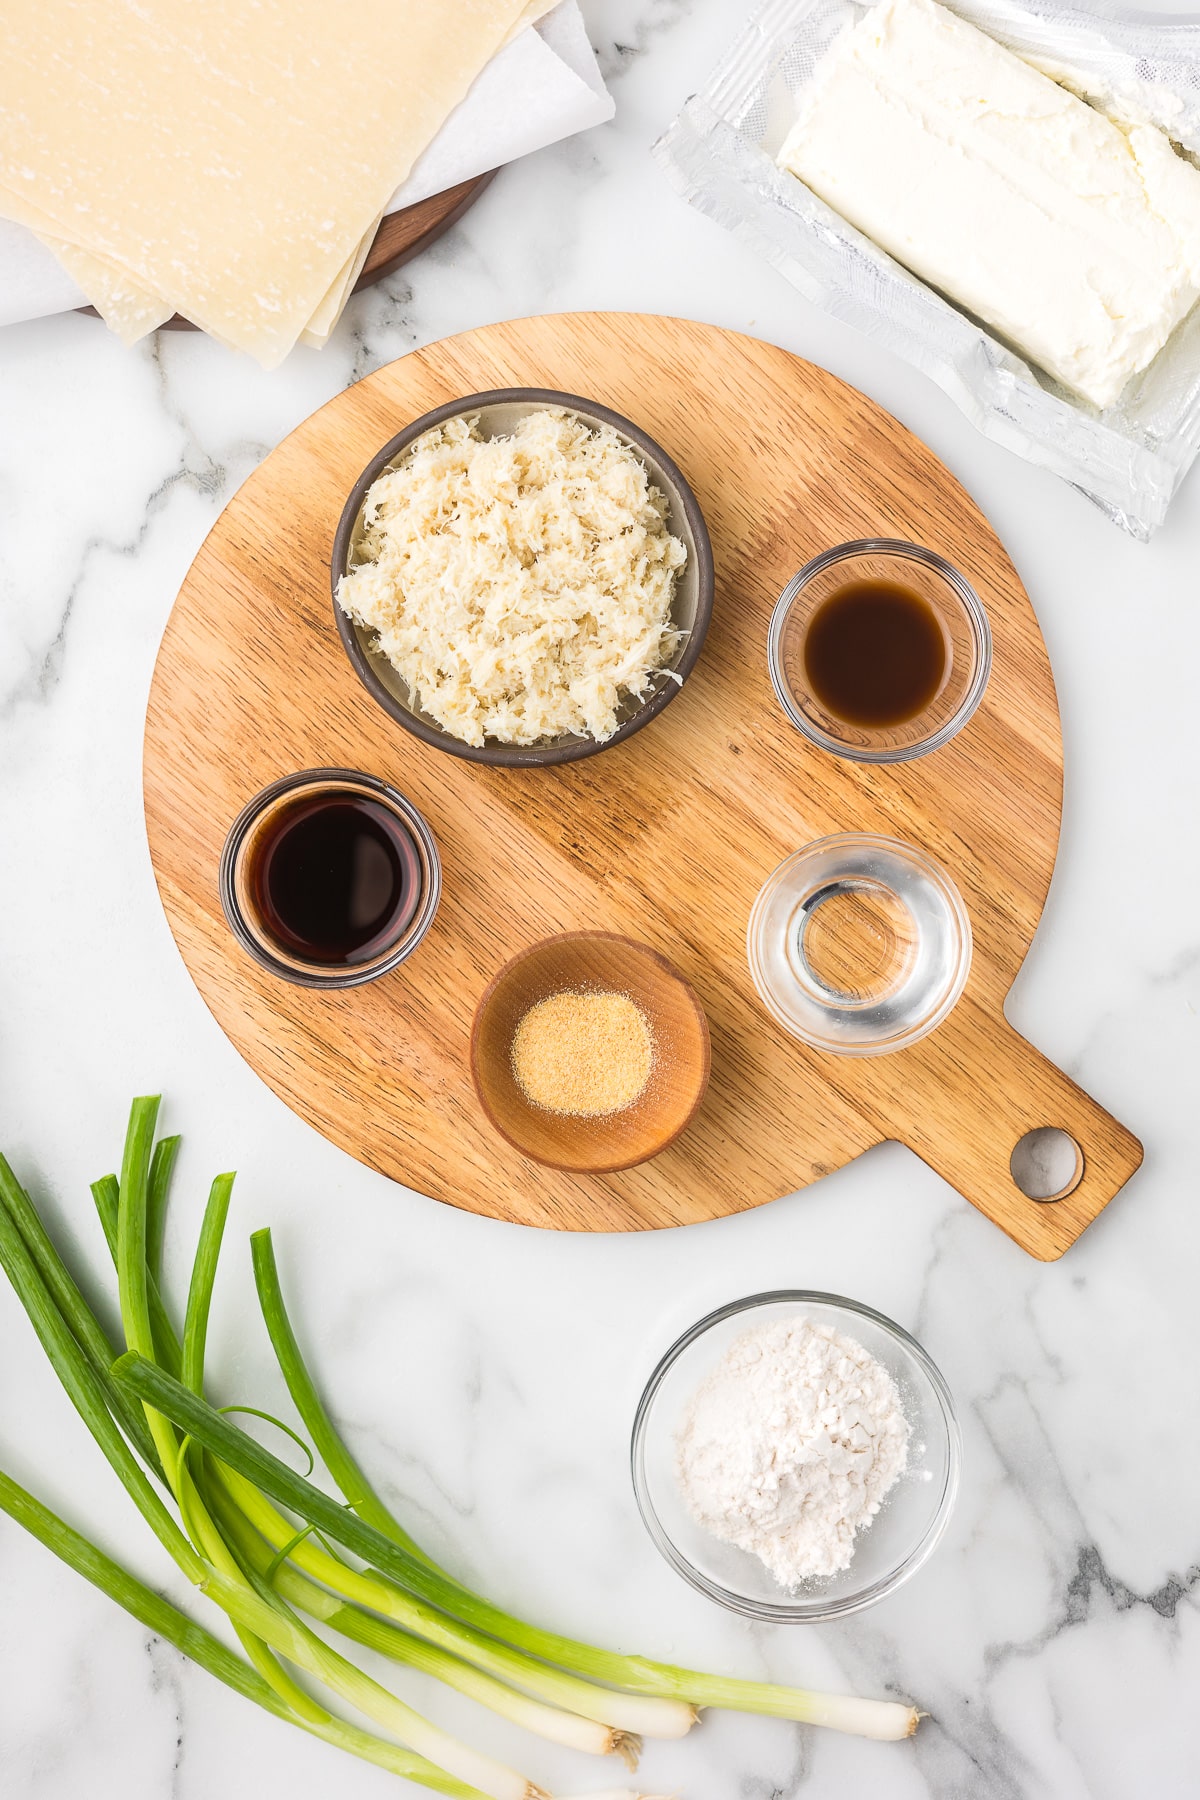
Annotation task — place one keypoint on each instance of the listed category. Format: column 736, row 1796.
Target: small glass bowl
column 959, row 613
column 237, row 901
column 859, row 945
column 904, row 1532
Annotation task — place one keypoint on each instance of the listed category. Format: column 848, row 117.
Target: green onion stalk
column 264, row 1626
column 259, row 1468
column 201, row 1647
column 106, row 1194
column 272, row 1549
column 351, row 1601
column 664, row 1698
column 570, row 1712
column 133, row 1277
column 551, row 1722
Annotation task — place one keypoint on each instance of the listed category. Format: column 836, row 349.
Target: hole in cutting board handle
column 1046, row 1164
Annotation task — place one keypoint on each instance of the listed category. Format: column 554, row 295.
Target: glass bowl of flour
column 796, row 1456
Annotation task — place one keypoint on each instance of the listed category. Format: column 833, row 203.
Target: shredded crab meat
column 521, row 585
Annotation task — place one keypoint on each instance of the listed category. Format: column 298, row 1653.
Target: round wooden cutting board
column 666, row 838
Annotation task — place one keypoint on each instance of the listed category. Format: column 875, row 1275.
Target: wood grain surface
column 666, row 838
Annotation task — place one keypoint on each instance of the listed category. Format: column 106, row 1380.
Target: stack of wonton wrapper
column 227, row 160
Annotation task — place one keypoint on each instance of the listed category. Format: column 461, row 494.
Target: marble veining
column 486, row 1375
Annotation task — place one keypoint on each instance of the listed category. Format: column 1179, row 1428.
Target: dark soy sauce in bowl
column 875, row 654
column 335, row 878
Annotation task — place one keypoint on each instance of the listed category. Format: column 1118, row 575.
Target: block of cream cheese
column 1075, row 239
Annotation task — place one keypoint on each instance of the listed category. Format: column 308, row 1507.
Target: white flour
column 789, row 1445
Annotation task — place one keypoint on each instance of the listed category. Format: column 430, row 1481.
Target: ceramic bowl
column 499, row 411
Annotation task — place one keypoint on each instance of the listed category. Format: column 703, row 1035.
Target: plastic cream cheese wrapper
column 720, row 153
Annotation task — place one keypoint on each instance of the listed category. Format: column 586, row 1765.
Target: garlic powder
column 521, row 585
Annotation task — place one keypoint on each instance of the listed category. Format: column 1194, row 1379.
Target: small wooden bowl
column 599, row 961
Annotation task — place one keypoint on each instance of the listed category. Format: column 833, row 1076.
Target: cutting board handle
column 993, row 1100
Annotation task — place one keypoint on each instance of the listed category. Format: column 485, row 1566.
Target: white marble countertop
column 488, row 1374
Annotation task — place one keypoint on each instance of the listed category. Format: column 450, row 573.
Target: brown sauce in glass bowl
column 875, row 654
column 335, row 878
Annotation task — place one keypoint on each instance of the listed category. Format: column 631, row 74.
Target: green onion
column 201, row 1647
column 204, row 1270
column 264, row 1568
column 162, row 1167
column 377, row 1634
column 638, row 1715
column 132, row 1273
column 106, row 1193
column 87, row 1395
column 875, row 1718
column 82, row 1322
column 300, row 1385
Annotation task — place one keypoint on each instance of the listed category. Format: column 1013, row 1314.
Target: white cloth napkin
column 543, row 86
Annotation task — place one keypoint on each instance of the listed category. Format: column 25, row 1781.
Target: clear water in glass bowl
column 859, row 944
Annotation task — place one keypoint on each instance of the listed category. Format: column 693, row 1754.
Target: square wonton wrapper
column 166, row 139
